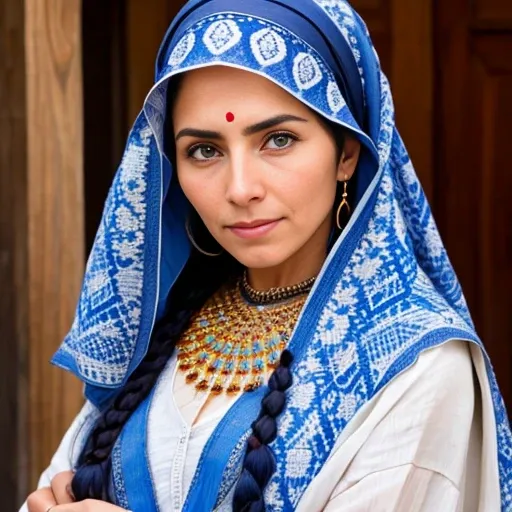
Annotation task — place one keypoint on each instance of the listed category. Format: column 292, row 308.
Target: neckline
column 198, row 423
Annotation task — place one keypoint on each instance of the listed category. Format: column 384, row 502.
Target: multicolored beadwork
column 231, row 344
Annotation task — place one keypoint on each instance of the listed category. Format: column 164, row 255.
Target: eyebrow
column 250, row 130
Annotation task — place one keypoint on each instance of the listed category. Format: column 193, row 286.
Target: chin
column 258, row 258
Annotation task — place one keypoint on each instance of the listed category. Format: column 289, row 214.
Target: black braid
column 259, row 462
column 200, row 278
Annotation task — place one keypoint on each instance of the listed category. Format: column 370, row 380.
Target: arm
column 406, row 488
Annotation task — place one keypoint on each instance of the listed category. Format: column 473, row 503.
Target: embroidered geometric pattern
column 306, row 71
column 350, row 26
column 106, row 326
column 350, row 359
column 268, row 47
column 117, row 477
column 257, row 44
column 182, row 49
column 334, row 98
column 232, row 471
column 398, row 275
column 221, row 36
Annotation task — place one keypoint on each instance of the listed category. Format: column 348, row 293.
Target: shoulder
column 435, row 393
column 422, row 418
column 441, row 371
column 71, row 444
column 445, row 358
column 417, row 427
column 74, row 439
column 425, row 415
column 440, row 383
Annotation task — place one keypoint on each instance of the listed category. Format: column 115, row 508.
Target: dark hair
column 198, row 281
column 200, row 278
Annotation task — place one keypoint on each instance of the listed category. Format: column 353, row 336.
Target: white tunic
column 426, row 442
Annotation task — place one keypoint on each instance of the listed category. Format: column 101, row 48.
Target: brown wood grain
column 13, row 255
column 412, row 80
column 493, row 11
column 473, row 175
column 146, row 23
column 55, row 235
column 377, row 16
column 491, row 108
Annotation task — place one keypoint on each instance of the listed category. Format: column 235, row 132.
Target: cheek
column 201, row 193
column 311, row 184
column 193, row 190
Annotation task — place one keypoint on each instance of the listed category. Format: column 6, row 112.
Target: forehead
column 226, row 89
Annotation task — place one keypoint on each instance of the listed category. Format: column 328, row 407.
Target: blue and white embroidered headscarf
column 387, row 290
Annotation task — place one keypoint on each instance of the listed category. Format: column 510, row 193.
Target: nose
column 244, row 180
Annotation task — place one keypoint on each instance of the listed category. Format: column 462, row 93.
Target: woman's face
column 257, row 165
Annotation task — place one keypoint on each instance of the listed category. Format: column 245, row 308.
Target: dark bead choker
column 274, row 295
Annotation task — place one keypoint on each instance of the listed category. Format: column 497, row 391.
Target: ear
column 349, row 158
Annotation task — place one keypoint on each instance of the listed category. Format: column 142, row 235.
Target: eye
column 202, row 152
column 280, row 141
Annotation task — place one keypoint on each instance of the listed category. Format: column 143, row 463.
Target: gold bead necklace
column 231, row 344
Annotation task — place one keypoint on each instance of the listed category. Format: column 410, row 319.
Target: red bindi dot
column 230, row 117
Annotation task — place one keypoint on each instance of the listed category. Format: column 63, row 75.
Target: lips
column 254, row 229
column 253, row 224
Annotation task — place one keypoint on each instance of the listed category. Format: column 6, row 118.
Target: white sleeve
column 69, row 448
column 414, row 459
column 404, row 488
column 406, row 450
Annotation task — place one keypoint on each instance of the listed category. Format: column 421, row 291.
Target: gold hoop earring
column 344, row 203
column 194, row 243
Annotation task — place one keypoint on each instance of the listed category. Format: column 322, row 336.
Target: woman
column 298, row 361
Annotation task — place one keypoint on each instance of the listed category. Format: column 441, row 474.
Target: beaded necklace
column 231, row 343
column 274, row 295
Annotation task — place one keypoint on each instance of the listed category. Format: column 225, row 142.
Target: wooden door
column 473, row 157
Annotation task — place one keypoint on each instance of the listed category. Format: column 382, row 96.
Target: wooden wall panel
column 13, row 255
column 55, row 215
column 412, row 81
column 497, row 11
column 368, row 5
column 473, row 171
column 491, row 106
column 146, row 23
column 402, row 32
column 41, row 231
